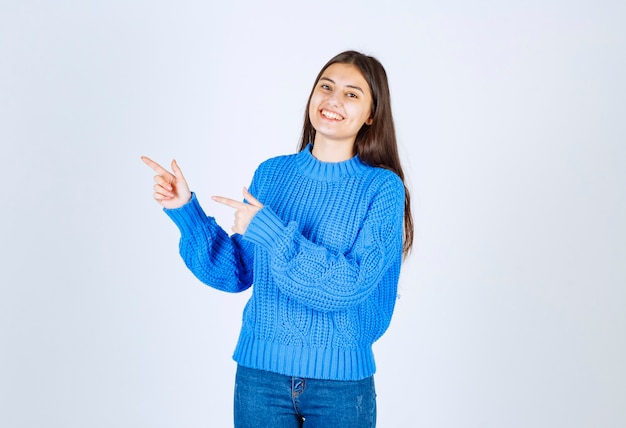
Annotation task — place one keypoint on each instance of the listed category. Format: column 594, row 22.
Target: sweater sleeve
column 325, row 280
column 220, row 261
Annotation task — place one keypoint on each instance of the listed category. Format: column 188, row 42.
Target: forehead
column 345, row 75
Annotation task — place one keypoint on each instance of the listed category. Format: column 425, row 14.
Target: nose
column 333, row 98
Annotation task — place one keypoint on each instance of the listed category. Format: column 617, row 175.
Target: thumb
column 177, row 171
column 251, row 199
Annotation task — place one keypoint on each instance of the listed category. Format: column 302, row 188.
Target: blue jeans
column 271, row 400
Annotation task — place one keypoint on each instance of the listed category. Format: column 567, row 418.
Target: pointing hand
column 170, row 189
column 244, row 212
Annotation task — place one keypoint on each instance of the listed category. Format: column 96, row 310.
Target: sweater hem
column 305, row 361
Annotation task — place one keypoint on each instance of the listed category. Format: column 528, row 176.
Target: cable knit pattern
column 324, row 255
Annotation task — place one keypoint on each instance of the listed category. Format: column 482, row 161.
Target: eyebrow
column 347, row 86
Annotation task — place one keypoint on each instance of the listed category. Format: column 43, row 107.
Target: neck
column 332, row 150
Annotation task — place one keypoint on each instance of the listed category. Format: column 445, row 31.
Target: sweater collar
column 328, row 171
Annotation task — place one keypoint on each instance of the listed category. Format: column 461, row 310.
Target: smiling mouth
column 331, row 115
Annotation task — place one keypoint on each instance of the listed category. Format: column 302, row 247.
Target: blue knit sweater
column 324, row 256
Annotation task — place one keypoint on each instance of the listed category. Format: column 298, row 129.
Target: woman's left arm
column 330, row 281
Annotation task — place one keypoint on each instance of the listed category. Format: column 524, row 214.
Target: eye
column 325, row 87
column 352, row 95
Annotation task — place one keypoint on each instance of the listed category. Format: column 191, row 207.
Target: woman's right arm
column 216, row 259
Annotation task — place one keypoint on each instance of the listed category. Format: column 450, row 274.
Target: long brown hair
column 375, row 144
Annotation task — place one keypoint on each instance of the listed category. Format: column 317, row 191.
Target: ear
column 369, row 121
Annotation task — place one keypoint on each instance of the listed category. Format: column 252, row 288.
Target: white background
column 511, row 121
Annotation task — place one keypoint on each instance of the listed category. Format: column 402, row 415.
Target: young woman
column 321, row 235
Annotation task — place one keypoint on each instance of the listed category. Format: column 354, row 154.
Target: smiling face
column 341, row 103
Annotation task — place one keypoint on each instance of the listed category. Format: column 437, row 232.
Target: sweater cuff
column 187, row 217
column 265, row 228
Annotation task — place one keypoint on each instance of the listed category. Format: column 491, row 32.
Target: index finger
column 155, row 166
column 229, row 202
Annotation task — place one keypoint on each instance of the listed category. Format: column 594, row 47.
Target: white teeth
column 331, row 115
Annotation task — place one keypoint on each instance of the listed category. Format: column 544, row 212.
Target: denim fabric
column 271, row 400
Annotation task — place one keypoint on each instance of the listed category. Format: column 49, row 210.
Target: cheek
column 362, row 114
column 313, row 115
column 315, row 102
